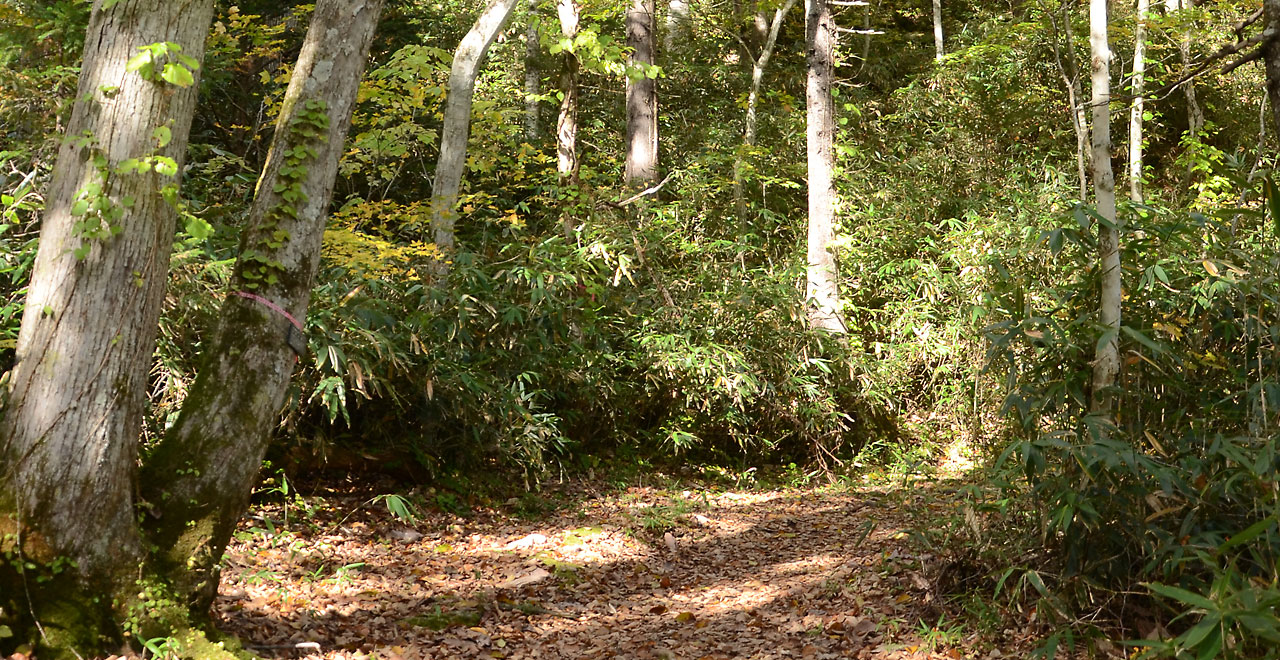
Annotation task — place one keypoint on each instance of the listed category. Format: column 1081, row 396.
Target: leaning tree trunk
column 938, row 51
column 567, row 124
column 753, row 98
column 1106, row 364
column 822, row 287
column 69, row 438
column 457, row 121
column 1138, row 86
column 532, row 74
column 1271, row 59
column 642, row 97
column 203, row 471
column 1070, row 75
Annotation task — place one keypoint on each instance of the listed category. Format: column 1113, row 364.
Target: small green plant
column 398, row 506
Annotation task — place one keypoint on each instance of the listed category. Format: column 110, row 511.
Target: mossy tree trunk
column 1106, row 363
column 69, row 439
column 202, row 473
column 567, row 123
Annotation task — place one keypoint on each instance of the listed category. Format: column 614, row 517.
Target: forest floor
column 589, row 570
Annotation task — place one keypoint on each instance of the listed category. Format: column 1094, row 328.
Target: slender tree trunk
column 457, row 120
column 532, row 75
column 642, row 97
column 205, row 468
column 1138, row 86
column 1106, row 364
column 1271, row 59
column 758, row 67
column 677, row 27
column 69, row 438
column 567, row 125
column 822, row 286
column 1070, row 75
column 938, row 51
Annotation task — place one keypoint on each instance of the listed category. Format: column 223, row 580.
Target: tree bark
column 938, row 51
column 822, row 286
column 457, row 120
column 1070, row 75
column 677, row 27
column 1138, row 86
column 204, row 470
column 69, row 438
column 1271, row 59
column 532, row 75
column 567, row 124
column 642, row 97
column 758, row 67
column 1106, row 364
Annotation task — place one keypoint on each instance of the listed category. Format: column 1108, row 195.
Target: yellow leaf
column 685, row 617
column 1211, row 267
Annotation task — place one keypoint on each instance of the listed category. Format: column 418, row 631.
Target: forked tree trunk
column 69, row 439
column 642, row 97
column 457, row 121
column 567, row 124
column 1106, row 364
column 532, row 75
column 1137, row 87
column 758, row 67
column 938, row 51
column 822, row 285
column 1070, row 75
column 1271, row 59
column 202, row 473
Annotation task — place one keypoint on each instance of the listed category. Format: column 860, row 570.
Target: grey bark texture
column 567, row 123
column 642, row 97
column 69, row 439
column 1070, row 74
column 1137, row 88
column 822, row 287
column 532, row 75
column 205, row 468
column 1271, row 59
column 938, row 50
column 467, row 60
column 1106, row 363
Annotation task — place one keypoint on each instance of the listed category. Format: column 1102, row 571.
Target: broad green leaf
column 1182, row 596
column 177, row 74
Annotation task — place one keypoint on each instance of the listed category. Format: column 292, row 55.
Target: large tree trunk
column 457, row 120
column 758, row 67
column 822, row 286
column 567, row 124
column 1271, row 58
column 1106, row 364
column 1137, row 87
column 938, row 51
column 202, row 473
column 70, row 432
column 642, row 97
column 532, row 74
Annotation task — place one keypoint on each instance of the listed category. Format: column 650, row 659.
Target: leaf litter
column 643, row 573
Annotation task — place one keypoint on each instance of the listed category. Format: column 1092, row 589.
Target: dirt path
column 644, row 573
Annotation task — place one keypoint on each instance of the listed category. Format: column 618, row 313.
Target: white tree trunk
column 532, row 75
column 457, row 120
column 69, row 439
column 1106, row 364
column 1138, row 87
column 758, row 67
column 204, row 470
column 938, row 51
column 567, row 124
column 677, row 27
column 642, row 97
column 822, row 285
